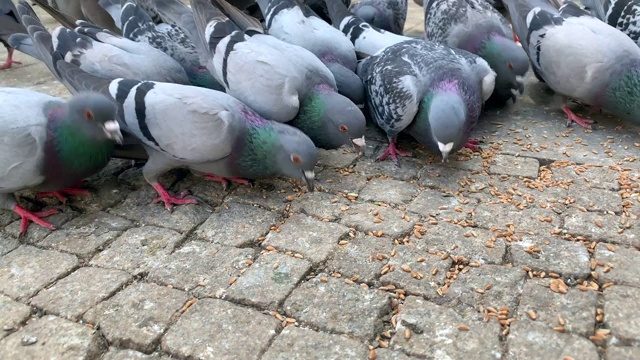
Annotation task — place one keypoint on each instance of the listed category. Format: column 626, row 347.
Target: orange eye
column 88, row 114
column 510, row 65
column 343, row 128
column 296, row 159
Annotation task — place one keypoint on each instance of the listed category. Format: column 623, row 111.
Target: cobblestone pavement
column 526, row 250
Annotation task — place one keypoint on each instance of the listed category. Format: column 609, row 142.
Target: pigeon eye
column 510, row 65
column 88, row 114
column 296, row 159
column 343, row 128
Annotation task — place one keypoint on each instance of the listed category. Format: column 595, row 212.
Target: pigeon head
column 622, row 96
column 331, row 120
column 509, row 61
column 296, row 156
column 95, row 116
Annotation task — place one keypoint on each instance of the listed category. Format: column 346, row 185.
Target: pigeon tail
column 337, row 12
column 519, row 13
column 67, row 21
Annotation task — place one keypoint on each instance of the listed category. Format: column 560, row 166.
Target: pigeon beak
column 112, row 130
column 445, row 149
column 359, row 144
column 309, row 177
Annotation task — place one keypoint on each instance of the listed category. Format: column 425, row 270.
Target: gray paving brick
column 389, row 191
column 126, row 354
column 442, row 205
column 336, row 180
column 299, row 343
column 622, row 353
column 515, row 166
column 567, row 258
column 268, row 193
column 408, row 170
column 36, row 233
column 320, row 205
column 601, row 177
column 7, row 244
column 12, row 315
column 362, row 217
column 528, row 340
column 529, row 220
column 622, row 314
column 580, row 223
column 594, row 199
column 620, row 265
column 363, row 257
column 338, row 158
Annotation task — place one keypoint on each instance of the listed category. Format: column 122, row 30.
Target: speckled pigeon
column 624, row 15
column 48, row 144
column 388, row 15
column 477, row 27
column 433, row 92
column 9, row 25
column 580, row 57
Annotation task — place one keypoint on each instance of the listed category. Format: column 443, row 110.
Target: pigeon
column 475, row 26
column 280, row 81
column 207, row 131
column 67, row 12
column 621, row 14
column 170, row 39
column 320, row 8
column 292, row 22
column 367, row 40
column 432, row 91
column 580, row 57
column 9, row 25
column 388, row 15
column 48, row 144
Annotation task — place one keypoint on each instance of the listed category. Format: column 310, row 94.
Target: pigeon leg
column 7, row 64
column 393, row 151
column 60, row 194
column 225, row 181
column 571, row 117
column 170, row 200
column 472, row 144
column 34, row 217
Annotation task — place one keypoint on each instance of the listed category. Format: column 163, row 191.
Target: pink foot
column 393, row 151
column 571, row 117
column 472, row 144
column 225, row 181
column 34, row 217
column 61, row 193
column 169, row 200
column 7, row 64
column 515, row 38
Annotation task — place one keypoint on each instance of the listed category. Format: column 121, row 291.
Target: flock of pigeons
column 242, row 89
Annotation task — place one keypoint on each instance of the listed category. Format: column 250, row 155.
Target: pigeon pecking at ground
column 433, row 92
column 49, row 145
column 389, row 15
column 9, row 25
column 475, row 26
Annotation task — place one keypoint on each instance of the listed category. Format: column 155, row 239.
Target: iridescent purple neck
column 447, row 86
column 324, row 88
column 477, row 41
column 252, row 117
column 56, row 113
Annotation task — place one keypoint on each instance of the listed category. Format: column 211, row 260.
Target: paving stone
column 389, row 191
column 361, row 216
column 269, row 193
column 506, row 286
column 580, row 223
column 56, row 338
column 12, row 314
column 269, row 280
column 299, row 343
column 201, row 268
column 388, row 354
column 621, row 265
column 441, row 205
column 73, row 295
column 576, row 307
column 26, row 270
column 126, row 354
column 338, row 307
column 36, row 233
column 622, row 353
column 7, row 244
column 528, row 220
column 237, row 225
column 136, row 317
column 596, row 177
column 435, row 334
column 530, row 340
column 338, row 158
column 413, row 258
column 336, row 180
column 320, row 205
column 360, row 257
column 104, row 192
column 317, row 241
column 594, row 199
column 87, row 233
column 409, row 168
column 622, row 314
column 442, row 236
column 139, row 249
column 443, row 178
column 515, row 166
column 217, row 329
column 564, row 257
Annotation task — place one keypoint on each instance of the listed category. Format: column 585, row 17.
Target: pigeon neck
column 622, row 96
column 255, row 155
column 481, row 44
column 310, row 118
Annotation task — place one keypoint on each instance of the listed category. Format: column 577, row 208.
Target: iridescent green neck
column 257, row 155
column 310, row 119
column 76, row 151
column 622, row 97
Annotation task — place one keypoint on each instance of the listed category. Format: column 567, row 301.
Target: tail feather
column 98, row 15
column 23, row 43
column 212, row 24
column 113, row 8
column 134, row 20
column 519, row 11
column 67, row 21
column 337, row 12
column 240, row 18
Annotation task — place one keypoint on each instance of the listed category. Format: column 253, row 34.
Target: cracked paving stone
column 580, row 223
column 73, row 295
column 217, row 329
column 126, row 354
column 435, row 333
column 338, row 158
column 408, row 170
column 595, row 177
column 334, row 181
column 237, row 225
column 12, row 314
column 26, row 270
column 338, row 307
column 268, row 193
column 564, row 257
column 103, row 194
column 506, row 285
column 201, row 268
column 622, row 353
column 87, row 233
column 515, row 166
column 361, row 217
column 139, row 249
column 55, row 338
column 7, row 244
column 442, row 236
column 388, row 191
column 621, row 265
column 317, row 241
column 420, row 262
column 526, row 220
column 320, row 205
column 137, row 316
column 299, row 343
column 269, row 280
column 532, row 341
column 388, row 354
column 443, row 178
column 438, row 204
column 622, row 314
column 36, row 233
column 594, row 199
column 360, row 258
column 576, row 307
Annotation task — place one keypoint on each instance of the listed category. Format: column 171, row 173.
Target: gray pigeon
column 280, row 81
column 388, row 15
column 9, row 25
column 48, row 144
column 621, row 14
column 432, row 91
column 580, row 57
column 293, row 23
column 320, row 7
column 477, row 27
column 367, row 40
column 67, row 12
column 204, row 130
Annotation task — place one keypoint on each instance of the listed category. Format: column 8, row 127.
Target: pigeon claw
column 170, row 200
column 7, row 64
column 572, row 117
column 35, row 217
column 472, row 144
column 225, row 181
column 394, row 152
column 60, row 194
